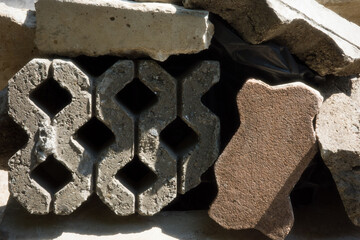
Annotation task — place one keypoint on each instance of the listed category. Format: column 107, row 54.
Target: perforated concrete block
column 172, row 130
column 50, row 121
column 146, row 138
column 123, row 28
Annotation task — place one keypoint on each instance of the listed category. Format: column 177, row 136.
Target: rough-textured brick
column 266, row 157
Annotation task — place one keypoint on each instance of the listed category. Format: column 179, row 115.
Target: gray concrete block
column 50, row 131
column 204, row 123
column 163, row 187
column 112, row 192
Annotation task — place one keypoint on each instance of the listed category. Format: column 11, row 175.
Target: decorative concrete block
column 50, row 100
column 266, row 157
column 146, row 138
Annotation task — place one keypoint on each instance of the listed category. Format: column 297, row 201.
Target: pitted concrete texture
column 49, row 135
column 266, row 157
column 111, row 191
column 122, row 28
column 17, row 34
column 348, row 9
column 152, row 153
column 156, row 137
column 205, row 124
column 326, row 42
column 158, row 159
column 337, row 128
column 12, row 137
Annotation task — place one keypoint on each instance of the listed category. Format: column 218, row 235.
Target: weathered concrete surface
column 17, row 34
column 266, row 157
column 4, row 192
column 337, row 128
column 121, row 28
column 49, row 136
column 206, row 124
column 348, row 9
column 326, row 42
column 12, row 137
column 112, row 192
column 151, row 152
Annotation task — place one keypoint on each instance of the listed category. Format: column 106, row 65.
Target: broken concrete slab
column 132, row 29
column 337, row 129
column 326, row 42
column 266, row 157
column 348, row 9
column 38, row 95
column 17, row 34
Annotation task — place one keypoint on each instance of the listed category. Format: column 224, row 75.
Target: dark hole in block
column 50, row 97
column 179, row 137
column 136, row 176
column 136, row 97
column 12, row 138
column 95, row 65
column 51, row 175
column 95, row 136
column 198, row 198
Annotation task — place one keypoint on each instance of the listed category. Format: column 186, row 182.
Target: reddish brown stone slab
column 266, row 157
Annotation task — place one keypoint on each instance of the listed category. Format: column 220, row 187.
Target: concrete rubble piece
column 326, row 42
column 266, row 157
column 132, row 29
column 145, row 138
column 348, row 9
column 17, row 34
column 337, row 128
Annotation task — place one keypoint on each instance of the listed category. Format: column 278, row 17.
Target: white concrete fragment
column 123, row 28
